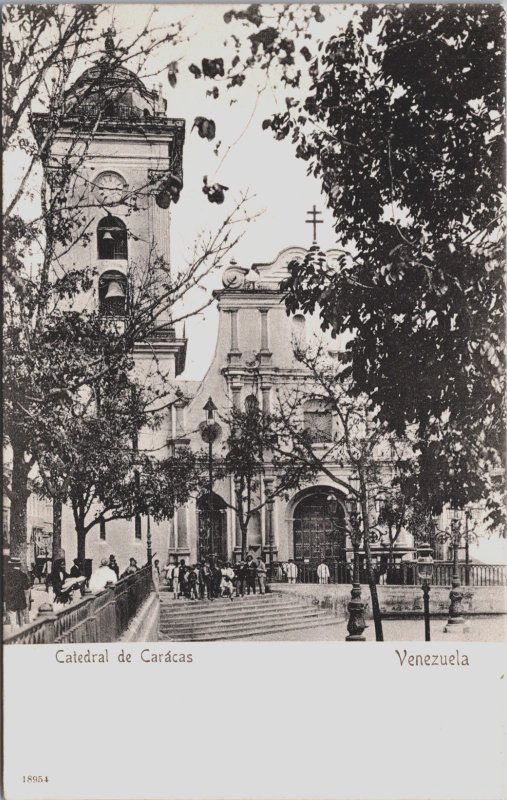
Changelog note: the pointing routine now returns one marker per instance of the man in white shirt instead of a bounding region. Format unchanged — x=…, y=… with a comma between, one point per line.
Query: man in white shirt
x=226, y=584
x=323, y=572
x=102, y=576
x=291, y=571
x=261, y=575
x=175, y=575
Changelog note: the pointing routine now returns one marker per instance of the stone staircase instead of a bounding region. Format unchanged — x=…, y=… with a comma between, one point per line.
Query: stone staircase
x=243, y=618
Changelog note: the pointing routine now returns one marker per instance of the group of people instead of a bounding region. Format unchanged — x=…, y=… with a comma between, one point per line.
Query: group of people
x=106, y=574
x=17, y=597
x=211, y=579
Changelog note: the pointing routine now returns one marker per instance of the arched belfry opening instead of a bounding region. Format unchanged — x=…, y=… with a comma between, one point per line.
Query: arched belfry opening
x=112, y=294
x=112, y=239
x=212, y=527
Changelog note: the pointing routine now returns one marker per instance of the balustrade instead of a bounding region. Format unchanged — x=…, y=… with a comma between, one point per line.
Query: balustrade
x=102, y=617
x=402, y=574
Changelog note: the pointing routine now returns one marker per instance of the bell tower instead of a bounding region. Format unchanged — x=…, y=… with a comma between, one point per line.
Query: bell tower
x=128, y=157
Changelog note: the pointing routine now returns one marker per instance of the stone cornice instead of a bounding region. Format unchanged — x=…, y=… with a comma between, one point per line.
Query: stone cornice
x=176, y=347
x=229, y=299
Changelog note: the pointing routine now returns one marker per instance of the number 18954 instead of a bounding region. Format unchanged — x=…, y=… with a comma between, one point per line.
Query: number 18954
x=35, y=779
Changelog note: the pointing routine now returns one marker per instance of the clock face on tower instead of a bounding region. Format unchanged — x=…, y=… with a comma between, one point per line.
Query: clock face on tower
x=109, y=187
x=234, y=277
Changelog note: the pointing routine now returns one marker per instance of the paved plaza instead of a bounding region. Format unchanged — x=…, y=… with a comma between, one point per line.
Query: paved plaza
x=481, y=629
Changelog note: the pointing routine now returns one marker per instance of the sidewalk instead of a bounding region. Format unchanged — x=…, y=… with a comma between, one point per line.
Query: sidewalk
x=482, y=629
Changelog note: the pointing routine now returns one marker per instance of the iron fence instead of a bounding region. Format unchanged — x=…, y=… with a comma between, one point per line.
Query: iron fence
x=402, y=574
x=102, y=617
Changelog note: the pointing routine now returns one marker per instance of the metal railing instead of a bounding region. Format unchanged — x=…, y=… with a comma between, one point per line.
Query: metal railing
x=403, y=574
x=101, y=617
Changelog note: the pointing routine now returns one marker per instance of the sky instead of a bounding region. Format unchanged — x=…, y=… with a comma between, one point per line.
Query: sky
x=255, y=163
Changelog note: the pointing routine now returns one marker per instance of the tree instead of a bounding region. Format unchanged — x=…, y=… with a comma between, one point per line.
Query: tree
x=360, y=442
x=46, y=217
x=417, y=196
x=90, y=459
x=258, y=455
x=401, y=116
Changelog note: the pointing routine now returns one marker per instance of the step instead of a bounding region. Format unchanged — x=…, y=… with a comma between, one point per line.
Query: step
x=251, y=600
x=241, y=616
x=231, y=624
x=249, y=633
x=204, y=619
x=230, y=608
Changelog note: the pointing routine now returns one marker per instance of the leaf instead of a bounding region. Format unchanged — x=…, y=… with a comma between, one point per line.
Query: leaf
x=213, y=67
x=194, y=69
x=319, y=17
x=265, y=37
x=172, y=72
x=205, y=127
x=215, y=193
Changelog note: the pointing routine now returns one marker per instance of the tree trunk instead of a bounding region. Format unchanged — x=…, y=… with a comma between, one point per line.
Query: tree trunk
x=20, y=495
x=375, y=606
x=391, y=553
x=244, y=540
x=57, y=529
x=81, y=544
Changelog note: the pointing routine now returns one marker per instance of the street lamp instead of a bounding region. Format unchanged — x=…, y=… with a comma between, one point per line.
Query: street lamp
x=425, y=572
x=453, y=535
x=210, y=431
x=356, y=623
x=469, y=536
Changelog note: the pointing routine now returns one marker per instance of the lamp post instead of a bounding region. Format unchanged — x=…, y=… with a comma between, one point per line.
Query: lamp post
x=268, y=489
x=425, y=572
x=210, y=431
x=355, y=607
x=469, y=536
x=453, y=535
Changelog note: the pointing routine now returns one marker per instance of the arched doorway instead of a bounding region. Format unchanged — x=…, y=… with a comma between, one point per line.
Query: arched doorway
x=318, y=534
x=216, y=545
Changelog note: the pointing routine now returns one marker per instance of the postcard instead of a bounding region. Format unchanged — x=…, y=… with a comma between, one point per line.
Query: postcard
x=254, y=541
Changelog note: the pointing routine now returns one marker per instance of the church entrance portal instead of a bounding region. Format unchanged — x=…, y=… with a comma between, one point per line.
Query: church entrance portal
x=216, y=547
x=317, y=534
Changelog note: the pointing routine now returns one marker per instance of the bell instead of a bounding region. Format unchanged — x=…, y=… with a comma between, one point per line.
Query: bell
x=107, y=235
x=114, y=289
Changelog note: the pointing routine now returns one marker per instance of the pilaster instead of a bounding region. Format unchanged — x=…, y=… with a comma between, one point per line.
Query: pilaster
x=264, y=353
x=234, y=355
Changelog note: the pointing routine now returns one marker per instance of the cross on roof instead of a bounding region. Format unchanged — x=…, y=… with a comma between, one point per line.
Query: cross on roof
x=314, y=221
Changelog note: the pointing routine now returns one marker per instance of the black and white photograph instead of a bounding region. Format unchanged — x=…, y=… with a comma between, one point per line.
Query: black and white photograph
x=253, y=327
x=225, y=405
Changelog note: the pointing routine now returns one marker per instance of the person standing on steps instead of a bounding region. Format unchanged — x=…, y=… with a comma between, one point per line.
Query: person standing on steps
x=207, y=575
x=227, y=585
x=192, y=582
x=261, y=575
x=181, y=577
x=217, y=578
x=251, y=574
x=291, y=571
x=240, y=579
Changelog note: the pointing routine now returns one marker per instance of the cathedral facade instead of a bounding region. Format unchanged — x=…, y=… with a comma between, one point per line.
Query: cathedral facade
x=131, y=172
x=254, y=361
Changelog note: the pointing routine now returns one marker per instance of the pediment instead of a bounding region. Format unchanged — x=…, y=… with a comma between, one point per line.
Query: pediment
x=273, y=273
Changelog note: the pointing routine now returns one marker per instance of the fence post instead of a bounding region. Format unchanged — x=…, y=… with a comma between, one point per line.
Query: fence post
x=46, y=612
